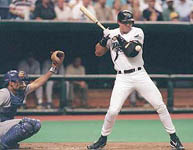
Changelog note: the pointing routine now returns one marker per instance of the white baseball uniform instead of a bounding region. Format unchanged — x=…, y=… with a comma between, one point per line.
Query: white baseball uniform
x=138, y=80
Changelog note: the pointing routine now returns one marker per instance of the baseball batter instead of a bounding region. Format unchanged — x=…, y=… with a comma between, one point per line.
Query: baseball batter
x=125, y=44
x=15, y=89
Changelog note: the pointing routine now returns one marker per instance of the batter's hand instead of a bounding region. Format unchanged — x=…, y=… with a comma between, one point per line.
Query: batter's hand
x=106, y=32
x=57, y=58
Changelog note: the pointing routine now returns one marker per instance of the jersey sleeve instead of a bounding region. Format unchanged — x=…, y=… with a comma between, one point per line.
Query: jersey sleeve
x=139, y=36
x=27, y=90
x=108, y=44
x=110, y=40
x=4, y=97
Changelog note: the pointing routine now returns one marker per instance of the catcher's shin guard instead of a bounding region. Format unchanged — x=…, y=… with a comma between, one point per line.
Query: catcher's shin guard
x=99, y=144
x=19, y=132
x=5, y=147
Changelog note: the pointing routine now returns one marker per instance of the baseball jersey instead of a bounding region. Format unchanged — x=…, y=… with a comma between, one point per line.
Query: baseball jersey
x=120, y=60
x=9, y=103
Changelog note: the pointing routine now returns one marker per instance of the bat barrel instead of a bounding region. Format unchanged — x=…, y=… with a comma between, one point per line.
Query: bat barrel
x=91, y=17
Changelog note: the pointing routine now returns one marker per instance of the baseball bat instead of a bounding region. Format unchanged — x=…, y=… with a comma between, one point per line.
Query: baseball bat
x=91, y=17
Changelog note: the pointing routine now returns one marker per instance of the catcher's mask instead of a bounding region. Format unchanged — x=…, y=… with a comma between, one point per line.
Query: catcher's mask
x=15, y=76
x=125, y=17
x=24, y=80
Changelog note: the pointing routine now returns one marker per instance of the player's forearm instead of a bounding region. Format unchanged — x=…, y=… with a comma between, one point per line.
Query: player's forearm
x=100, y=50
x=40, y=81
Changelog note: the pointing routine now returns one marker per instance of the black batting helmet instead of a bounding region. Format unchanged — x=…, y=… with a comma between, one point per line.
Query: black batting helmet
x=125, y=17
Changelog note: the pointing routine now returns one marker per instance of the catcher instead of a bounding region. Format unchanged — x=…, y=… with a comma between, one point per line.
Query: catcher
x=16, y=88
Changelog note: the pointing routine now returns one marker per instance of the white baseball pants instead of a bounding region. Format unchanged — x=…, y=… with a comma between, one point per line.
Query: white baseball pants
x=141, y=82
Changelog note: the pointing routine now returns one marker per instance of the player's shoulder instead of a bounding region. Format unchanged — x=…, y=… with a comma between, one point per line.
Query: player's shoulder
x=114, y=31
x=27, y=90
x=5, y=92
x=136, y=29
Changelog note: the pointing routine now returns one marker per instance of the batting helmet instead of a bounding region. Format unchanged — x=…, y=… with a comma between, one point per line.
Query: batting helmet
x=125, y=17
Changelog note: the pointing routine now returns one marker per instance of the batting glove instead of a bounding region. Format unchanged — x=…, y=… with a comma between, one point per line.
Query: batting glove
x=103, y=41
x=106, y=32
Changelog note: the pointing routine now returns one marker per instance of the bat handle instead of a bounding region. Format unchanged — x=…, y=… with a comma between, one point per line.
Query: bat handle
x=100, y=25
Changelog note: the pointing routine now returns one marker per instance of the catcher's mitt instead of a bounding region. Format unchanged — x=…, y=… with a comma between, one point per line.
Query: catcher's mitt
x=57, y=58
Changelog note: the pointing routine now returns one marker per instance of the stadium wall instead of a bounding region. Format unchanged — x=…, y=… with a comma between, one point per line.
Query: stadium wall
x=167, y=48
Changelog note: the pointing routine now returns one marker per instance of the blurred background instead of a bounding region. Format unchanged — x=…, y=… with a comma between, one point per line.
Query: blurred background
x=31, y=29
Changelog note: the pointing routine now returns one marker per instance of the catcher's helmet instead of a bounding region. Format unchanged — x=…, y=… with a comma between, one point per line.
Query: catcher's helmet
x=11, y=75
x=14, y=75
x=125, y=17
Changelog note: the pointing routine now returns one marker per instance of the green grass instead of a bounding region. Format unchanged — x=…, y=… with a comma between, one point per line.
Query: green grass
x=123, y=131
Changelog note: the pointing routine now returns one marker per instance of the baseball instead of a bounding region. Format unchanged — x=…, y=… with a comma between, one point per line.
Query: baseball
x=138, y=48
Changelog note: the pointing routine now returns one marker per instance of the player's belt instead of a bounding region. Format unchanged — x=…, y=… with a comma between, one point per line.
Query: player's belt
x=130, y=70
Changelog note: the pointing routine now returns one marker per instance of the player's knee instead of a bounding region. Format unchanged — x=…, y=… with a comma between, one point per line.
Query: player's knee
x=35, y=124
x=113, y=112
x=161, y=108
x=21, y=131
x=27, y=129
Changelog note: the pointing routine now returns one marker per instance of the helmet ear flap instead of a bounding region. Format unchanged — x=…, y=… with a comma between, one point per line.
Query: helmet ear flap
x=133, y=22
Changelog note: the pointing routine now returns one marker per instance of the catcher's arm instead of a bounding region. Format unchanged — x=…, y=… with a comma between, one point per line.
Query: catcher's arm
x=57, y=59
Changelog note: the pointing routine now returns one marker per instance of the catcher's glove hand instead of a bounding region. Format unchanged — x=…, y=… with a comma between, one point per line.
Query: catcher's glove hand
x=57, y=58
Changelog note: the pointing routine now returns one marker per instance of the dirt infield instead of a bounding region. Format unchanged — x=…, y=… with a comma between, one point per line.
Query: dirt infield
x=110, y=146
